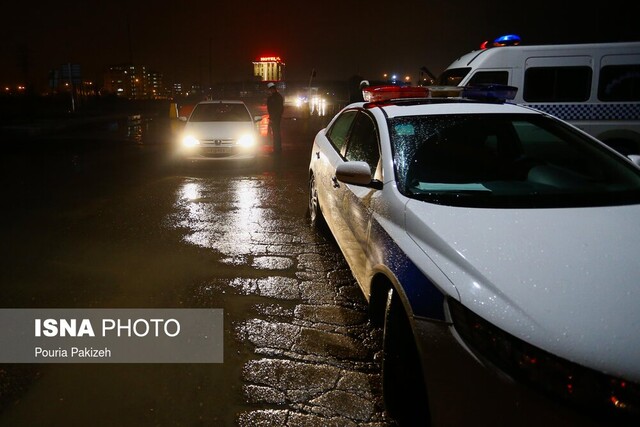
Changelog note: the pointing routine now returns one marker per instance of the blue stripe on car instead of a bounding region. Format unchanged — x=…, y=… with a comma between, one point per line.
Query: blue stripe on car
x=425, y=298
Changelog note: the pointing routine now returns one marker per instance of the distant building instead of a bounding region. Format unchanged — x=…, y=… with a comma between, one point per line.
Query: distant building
x=269, y=68
x=126, y=81
x=195, y=89
x=155, y=86
x=176, y=90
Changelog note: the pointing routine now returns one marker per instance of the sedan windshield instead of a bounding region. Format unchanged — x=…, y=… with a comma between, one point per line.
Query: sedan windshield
x=507, y=160
x=220, y=112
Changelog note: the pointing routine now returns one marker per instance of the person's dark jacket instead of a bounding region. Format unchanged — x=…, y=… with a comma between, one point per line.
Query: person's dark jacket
x=275, y=105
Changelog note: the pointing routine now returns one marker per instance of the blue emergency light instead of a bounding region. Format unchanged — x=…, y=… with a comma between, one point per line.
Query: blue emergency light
x=507, y=40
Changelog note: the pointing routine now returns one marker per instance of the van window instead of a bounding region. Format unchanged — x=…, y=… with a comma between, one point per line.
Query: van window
x=453, y=76
x=557, y=84
x=486, y=77
x=619, y=83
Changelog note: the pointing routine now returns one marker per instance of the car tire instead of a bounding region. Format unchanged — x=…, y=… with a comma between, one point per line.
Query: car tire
x=314, y=212
x=403, y=388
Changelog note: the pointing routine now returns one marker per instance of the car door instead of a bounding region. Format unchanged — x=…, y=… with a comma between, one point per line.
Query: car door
x=327, y=156
x=355, y=200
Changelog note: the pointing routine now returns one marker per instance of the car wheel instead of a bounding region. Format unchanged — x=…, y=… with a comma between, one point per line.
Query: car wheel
x=403, y=388
x=313, y=211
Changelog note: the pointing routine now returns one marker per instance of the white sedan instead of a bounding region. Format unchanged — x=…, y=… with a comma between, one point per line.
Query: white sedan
x=497, y=246
x=220, y=130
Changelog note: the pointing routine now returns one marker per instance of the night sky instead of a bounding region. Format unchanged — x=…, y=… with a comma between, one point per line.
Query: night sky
x=194, y=41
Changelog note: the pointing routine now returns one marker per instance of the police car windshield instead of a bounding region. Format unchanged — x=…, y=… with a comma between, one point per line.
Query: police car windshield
x=507, y=160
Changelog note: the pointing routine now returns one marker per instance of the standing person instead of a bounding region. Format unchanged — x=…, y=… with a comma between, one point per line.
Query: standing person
x=275, y=107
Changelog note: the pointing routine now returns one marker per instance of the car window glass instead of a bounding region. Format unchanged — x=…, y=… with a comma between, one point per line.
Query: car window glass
x=619, y=83
x=486, y=77
x=339, y=131
x=220, y=112
x=557, y=84
x=363, y=142
x=453, y=77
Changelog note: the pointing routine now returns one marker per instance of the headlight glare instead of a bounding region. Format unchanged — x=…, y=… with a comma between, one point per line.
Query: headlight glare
x=190, y=141
x=247, y=140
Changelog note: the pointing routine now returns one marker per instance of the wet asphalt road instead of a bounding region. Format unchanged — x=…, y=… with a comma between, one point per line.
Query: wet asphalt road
x=111, y=221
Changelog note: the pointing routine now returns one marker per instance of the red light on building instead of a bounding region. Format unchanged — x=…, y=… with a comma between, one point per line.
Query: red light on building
x=269, y=59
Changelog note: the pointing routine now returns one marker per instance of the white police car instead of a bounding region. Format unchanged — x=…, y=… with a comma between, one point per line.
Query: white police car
x=498, y=247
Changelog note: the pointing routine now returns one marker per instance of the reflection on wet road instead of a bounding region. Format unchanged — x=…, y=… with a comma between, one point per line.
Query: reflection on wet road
x=298, y=350
x=315, y=352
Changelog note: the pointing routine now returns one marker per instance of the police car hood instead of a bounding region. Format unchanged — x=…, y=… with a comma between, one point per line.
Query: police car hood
x=564, y=280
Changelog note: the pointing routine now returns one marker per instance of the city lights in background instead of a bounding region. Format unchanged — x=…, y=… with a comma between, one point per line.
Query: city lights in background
x=18, y=89
x=394, y=79
x=316, y=104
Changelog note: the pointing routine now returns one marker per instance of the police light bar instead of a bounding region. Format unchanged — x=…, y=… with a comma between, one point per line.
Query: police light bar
x=484, y=92
x=385, y=93
x=445, y=91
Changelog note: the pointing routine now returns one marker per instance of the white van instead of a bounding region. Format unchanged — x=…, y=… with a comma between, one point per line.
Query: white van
x=594, y=86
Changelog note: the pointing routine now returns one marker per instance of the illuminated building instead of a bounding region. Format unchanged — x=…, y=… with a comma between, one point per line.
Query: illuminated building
x=269, y=68
x=127, y=81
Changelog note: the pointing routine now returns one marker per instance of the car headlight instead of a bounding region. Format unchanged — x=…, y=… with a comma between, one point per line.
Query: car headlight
x=577, y=385
x=190, y=141
x=246, y=140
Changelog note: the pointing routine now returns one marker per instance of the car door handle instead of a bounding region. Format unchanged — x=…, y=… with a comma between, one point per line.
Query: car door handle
x=336, y=183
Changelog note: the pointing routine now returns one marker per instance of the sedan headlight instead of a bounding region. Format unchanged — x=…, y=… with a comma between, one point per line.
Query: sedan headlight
x=190, y=141
x=246, y=140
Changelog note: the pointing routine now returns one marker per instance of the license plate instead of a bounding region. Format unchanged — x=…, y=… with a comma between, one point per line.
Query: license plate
x=218, y=150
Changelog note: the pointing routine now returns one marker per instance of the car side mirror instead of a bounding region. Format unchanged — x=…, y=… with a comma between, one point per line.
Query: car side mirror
x=356, y=173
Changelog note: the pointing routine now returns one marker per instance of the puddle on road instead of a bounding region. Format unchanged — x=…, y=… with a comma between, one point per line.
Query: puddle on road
x=235, y=219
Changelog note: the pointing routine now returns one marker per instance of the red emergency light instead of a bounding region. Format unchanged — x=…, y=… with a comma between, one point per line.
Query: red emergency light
x=385, y=93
